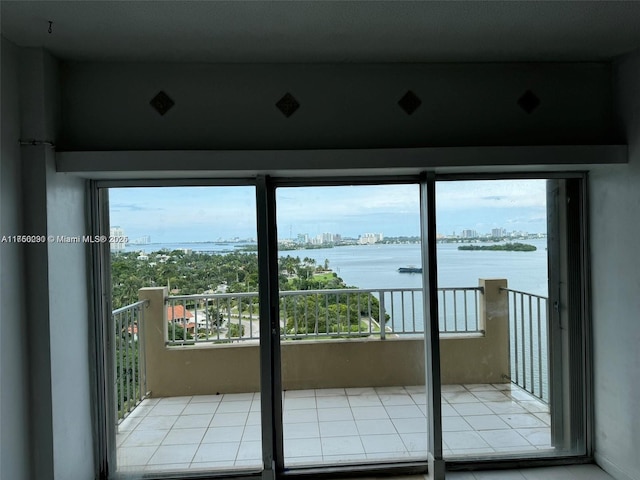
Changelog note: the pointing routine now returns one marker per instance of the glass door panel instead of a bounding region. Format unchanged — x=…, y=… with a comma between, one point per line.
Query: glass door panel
x=185, y=322
x=351, y=318
x=498, y=242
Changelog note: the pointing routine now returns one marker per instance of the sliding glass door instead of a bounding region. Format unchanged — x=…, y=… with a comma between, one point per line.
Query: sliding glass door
x=282, y=325
x=505, y=270
x=185, y=326
x=352, y=322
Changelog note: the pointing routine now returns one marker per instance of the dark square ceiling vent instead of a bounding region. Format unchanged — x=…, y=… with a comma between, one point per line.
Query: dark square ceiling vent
x=162, y=103
x=410, y=102
x=529, y=101
x=287, y=105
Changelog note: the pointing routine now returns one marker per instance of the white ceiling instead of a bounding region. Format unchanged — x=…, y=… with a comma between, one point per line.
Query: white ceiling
x=339, y=31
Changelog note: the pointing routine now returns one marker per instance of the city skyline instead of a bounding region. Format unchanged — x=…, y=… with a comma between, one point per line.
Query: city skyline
x=197, y=214
x=331, y=237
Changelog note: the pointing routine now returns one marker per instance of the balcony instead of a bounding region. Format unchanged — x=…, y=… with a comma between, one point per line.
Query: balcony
x=188, y=376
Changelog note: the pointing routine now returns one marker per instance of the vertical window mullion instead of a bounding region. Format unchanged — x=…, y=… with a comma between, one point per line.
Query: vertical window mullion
x=432, y=330
x=104, y=331
x=270, y=372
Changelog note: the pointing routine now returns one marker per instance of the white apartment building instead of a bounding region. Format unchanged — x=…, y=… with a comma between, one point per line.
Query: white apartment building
x=117, y=232
x=370, y=238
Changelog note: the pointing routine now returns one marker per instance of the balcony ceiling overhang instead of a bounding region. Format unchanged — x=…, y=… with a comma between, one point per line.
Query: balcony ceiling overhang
x=317, y=32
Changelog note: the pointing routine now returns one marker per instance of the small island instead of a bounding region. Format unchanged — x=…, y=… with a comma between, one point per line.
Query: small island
x=507, y=247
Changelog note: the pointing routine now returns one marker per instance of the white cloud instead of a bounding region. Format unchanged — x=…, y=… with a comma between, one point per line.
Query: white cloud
x=184, y=209
x=491, y=194
x=227, y=211
x=332, y=203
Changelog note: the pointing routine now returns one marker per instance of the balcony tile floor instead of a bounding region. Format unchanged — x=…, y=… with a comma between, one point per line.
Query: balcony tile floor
x=329, y=426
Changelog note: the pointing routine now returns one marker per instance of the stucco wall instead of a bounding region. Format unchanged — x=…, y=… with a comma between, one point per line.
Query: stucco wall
x=210, y=370
x=615, y=230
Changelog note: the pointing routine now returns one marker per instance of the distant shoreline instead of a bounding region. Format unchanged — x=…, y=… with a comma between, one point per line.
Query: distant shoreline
x=250, y=246
x=507, y=247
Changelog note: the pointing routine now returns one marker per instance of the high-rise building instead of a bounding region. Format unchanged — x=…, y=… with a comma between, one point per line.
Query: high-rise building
x=370, y=238
x=327, y=237
x=117, y=231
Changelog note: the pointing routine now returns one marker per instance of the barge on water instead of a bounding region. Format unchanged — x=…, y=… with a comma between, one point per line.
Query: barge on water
x=410, y=270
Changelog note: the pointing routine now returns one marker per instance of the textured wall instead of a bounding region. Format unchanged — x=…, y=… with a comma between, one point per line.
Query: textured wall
x=615, y=229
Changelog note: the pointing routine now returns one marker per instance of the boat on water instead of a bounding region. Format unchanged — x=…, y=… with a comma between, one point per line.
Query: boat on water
x=410, y=270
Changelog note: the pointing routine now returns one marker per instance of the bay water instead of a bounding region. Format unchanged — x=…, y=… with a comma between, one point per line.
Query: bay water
x=376, y=266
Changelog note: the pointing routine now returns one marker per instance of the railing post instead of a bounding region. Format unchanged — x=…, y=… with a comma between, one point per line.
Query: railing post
x=142, y=364
x=382, y=316
x=154, y=330
x=494, y=320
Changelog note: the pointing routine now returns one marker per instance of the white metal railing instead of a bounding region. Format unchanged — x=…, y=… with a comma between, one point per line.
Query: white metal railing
x=338, y=313
x=528, y=342
x=130, y=373
x=234, y=317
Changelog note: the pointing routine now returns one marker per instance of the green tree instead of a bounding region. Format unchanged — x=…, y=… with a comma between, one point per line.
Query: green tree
x=235, y=330
x=215, y=317
x=175, y=331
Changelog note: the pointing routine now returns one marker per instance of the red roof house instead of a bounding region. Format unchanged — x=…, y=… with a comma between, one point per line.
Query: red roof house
x=178, y=313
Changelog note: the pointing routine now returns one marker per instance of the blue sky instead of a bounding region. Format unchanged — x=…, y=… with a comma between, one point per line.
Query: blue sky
x=183, y=214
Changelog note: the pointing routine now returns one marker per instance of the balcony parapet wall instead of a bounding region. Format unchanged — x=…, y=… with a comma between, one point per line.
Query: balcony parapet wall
x=207, y=369
x=480, y=358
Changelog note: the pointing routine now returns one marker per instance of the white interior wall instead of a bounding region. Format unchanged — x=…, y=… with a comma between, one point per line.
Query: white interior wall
x=71, y=378
x=60, y=399
x=71, y=381
x=14, y=360
x=615, y=230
